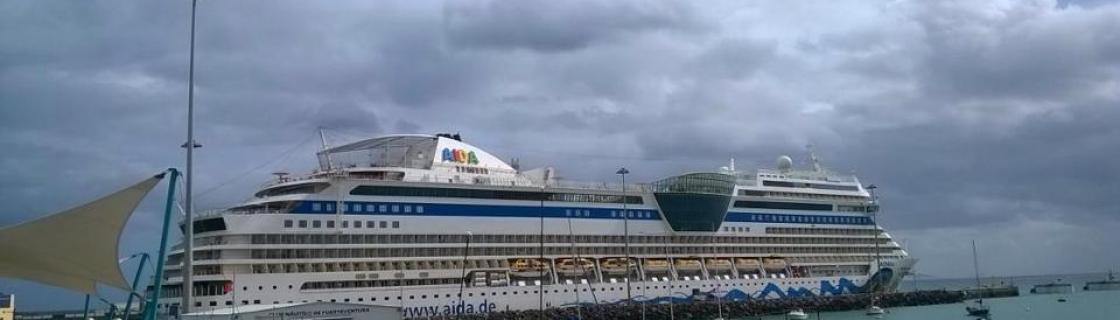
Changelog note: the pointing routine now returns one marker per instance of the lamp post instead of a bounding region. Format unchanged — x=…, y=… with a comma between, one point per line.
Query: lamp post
x=625, y=230
x=188, y=225
x=875, y=223
x=463, y=277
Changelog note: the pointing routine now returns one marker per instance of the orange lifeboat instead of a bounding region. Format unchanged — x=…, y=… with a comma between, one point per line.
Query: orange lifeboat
x=529, y=267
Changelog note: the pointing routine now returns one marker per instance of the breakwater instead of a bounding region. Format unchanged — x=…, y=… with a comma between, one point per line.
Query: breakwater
x=710, y=309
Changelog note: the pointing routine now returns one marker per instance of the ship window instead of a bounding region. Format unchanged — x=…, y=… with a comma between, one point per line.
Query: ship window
x=287, y=223
x=316, y=224
x=407, y=209
x=419, y=209
x=356, y=208
x=384, y=224
x=783, y=205
x=396, y=208
x=357, y=224
x=396, y=224
x=303, y=223
x=330, y=207
x=208, y=225
x=751, y=193
x=771, y=183
x=491, y=194
x=315, y=206
x=382, y=208
x=369, y=224
x=345, y=224
x=330, y=224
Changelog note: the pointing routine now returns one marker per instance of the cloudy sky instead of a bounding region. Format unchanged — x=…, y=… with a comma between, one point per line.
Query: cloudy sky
x=986, y=120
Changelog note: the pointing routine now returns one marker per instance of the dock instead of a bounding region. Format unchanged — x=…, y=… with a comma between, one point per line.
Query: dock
x=709, y=309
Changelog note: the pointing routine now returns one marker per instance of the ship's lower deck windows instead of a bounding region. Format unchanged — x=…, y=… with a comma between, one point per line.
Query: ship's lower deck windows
x=777, y=236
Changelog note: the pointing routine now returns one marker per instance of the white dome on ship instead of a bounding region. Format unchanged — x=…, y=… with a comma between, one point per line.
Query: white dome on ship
x=785, y=163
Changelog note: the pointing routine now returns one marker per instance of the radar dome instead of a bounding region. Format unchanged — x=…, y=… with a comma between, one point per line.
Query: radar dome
x=785, y=163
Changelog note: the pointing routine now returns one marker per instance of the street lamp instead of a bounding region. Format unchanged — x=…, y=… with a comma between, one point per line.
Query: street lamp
x=875, y=223
x=625, y=230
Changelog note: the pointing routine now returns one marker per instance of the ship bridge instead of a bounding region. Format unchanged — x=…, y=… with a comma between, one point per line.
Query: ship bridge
x=694, y=201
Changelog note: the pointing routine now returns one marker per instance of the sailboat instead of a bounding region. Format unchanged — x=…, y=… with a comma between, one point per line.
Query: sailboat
x=978, y=308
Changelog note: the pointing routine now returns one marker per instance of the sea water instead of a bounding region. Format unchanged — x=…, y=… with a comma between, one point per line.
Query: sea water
x=1089, y=305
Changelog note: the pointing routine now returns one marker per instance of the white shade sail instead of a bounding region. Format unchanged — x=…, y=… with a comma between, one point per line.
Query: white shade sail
x=74, y=249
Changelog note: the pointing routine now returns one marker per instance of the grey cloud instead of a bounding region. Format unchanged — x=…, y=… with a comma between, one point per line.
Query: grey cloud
x=1023, y=52
x=552, y=26
x=971, y=118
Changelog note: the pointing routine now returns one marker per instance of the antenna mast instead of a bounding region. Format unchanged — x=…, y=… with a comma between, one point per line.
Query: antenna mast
x=813, y=158
x=323, y=141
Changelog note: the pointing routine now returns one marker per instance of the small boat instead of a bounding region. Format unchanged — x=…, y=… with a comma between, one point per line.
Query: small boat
x=720, y=264
x=656, y=265
x=875, y=310
x=747, y=264
x=774, y=264
x=977, y=309
x=571, y=266
x=797, y=314
x=529, y=268
x=1105, y=285
x=687, y=264
x=616, y=265
x=1061, y=299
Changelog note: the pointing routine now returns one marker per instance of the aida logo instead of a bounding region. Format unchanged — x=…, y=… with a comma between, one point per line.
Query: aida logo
x=459, y=155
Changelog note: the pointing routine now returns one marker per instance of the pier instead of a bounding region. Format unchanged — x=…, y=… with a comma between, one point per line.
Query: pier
x=710, y=309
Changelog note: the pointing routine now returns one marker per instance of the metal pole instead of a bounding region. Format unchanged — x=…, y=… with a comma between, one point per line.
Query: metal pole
x=135, y=283
x=85, y=314
x=157, y=285
x=626, y=231
x=188, y=233
x=875, y=222
x=463, y=277
x=671, y=276
x=583, y=272
x=540, y=274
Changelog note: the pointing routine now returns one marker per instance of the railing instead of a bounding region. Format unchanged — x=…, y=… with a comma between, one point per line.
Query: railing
x=515, y=182
x=810, y=175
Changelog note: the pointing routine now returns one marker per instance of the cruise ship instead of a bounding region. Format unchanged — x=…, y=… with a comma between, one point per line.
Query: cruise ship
x=437, y=226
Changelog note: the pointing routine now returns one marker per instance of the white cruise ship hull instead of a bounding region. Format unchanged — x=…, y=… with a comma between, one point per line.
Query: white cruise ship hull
x=439, y=227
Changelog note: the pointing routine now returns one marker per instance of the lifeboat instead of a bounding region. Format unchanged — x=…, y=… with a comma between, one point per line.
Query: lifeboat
x=528, y=268
x=573, y=267
x=687, y=264
x=774, y=264
x=718, y=264
x=748, y=264
x=656, y=265
x=616, y=265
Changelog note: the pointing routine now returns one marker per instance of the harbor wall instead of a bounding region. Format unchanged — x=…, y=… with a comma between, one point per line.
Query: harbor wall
x=710, y=309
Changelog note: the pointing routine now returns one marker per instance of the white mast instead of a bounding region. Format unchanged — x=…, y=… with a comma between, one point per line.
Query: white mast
x=188, y=229
x=813, y=158
x=323, y=140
